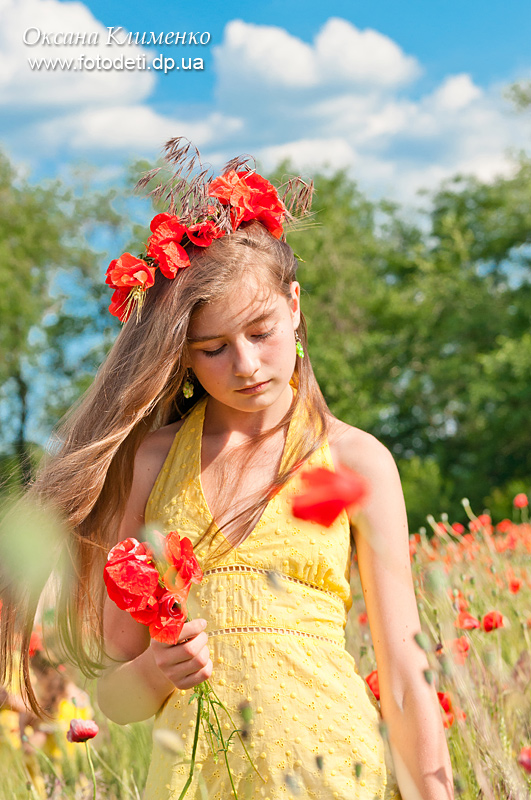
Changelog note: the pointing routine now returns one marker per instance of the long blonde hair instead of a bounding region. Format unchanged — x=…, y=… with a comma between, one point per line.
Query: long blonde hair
x=137, y=390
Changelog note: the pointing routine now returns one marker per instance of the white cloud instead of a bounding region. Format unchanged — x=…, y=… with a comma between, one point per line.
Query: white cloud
x=334, y=154
x=345, y=100
x=367, y=58
x=263, y=54
x=21, y=87
x=456, y=92
x=128, y=129
x=268, y=56
x=68, y=112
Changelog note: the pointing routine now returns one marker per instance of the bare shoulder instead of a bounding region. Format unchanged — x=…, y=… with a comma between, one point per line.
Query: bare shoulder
x=359, y=450
x=154, y=449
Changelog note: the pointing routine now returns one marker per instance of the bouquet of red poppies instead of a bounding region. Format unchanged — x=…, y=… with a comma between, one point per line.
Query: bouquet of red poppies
x=152, y=583
x=153, y=590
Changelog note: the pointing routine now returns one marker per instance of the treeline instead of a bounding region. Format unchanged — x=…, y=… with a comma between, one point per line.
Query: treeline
x=419, y=326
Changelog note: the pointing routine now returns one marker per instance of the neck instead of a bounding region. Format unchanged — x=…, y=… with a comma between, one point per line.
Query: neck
x=222, y=420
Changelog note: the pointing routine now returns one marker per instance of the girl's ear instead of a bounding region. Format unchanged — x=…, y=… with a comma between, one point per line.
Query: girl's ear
x=295, y=304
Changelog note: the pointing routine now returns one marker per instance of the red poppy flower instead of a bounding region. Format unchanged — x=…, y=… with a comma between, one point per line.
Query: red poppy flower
x=203, y=233
x=524, y=758
x=363, y=618
x=180, y=554
x=372, y=682
x=521, y=500
x=81, y=730
x=459, y=600
x=168, y=624
x=504, y=526
x=515, y=584
x=458, y=528
x=132, y=580
x=251, y=197
x=466, y=621
x=184, y=568
x=445, y=701
x=118, y=306
x=164, y=244
x=460, y=648
x=230, y=189
x=128, y=271
x=265, y=204
x=492, y=620
x=329, y=493
x=35, y=643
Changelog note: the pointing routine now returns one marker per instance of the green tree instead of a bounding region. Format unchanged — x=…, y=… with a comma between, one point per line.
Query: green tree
x=51, y=299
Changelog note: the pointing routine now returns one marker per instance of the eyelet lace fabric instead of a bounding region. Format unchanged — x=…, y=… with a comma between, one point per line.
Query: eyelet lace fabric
x=276, y=610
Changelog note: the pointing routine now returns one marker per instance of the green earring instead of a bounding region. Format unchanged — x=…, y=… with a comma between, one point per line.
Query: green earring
x=298, y=346
x=188, y=388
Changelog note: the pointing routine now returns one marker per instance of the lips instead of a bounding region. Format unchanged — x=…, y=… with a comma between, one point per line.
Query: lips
x=256, y=387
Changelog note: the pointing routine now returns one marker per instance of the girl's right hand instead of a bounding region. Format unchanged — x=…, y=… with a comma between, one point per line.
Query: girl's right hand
x=188, y=662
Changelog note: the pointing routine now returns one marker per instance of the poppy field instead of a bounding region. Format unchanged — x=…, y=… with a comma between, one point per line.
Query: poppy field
x=473, y=585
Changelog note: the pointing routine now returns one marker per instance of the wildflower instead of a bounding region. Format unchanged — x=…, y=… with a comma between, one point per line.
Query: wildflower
x=449, y=711
x=515, y=584
x=458, y=528
x=35, y=642
x=492, y=620
x=328, y=494
x=81, y=730
x=524, y=759
x=373, y=684
x=521, y=500
x=460, y=648
x=466, y=621
x=363, y=618
x=459, y=601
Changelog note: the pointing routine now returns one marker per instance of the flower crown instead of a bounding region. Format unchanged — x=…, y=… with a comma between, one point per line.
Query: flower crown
x=210, y=209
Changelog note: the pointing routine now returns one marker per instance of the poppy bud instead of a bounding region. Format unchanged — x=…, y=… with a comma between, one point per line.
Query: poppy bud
x=81, y=730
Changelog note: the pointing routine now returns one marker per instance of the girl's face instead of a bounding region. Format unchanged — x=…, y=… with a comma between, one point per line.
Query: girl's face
x=242, y=347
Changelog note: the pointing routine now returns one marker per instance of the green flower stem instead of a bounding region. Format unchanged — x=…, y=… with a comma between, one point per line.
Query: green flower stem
x=225, y=747
x=194, y=746
x=236, y=730
x=91, y=765
x=207, y=697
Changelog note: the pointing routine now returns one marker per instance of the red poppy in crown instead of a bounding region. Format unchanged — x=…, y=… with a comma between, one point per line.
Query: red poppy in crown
x=210, y=209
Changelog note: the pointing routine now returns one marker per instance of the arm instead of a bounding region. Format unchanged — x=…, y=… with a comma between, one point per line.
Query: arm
x=141, y=673
x=409, y=705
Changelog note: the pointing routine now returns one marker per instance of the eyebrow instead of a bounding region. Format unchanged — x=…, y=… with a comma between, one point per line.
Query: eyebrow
x=262, y=318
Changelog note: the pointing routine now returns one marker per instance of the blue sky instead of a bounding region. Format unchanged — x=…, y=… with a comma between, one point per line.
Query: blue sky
x=402, y=95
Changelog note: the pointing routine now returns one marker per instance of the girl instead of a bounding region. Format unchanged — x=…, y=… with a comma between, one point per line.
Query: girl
x=198, y=422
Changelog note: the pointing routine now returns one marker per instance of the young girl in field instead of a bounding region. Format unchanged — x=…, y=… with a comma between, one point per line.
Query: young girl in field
x=199, y=421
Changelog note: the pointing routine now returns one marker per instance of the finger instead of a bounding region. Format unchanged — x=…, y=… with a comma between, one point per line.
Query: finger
x=192, y=628
x=189, y=649
x=194, y=664
x=197, y=677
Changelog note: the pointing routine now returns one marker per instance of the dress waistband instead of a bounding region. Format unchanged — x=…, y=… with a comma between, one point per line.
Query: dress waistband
x=273, y=576
x=242, y=599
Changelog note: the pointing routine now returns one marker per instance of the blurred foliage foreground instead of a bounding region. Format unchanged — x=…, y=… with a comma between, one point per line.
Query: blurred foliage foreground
x=474, y=593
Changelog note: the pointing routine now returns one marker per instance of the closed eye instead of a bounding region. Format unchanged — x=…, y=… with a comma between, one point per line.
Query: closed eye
x=264, y=335
x=211, y=353
x=260, y=336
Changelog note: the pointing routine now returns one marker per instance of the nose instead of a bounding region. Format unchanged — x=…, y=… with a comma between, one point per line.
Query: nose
x=246, y=362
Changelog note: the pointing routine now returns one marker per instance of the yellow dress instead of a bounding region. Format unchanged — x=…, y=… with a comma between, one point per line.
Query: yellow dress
x=277, y=645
